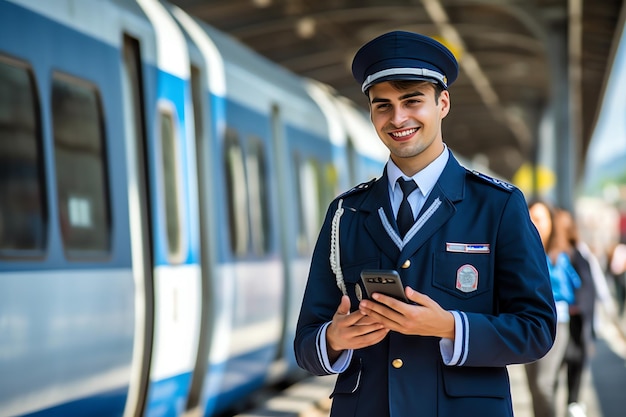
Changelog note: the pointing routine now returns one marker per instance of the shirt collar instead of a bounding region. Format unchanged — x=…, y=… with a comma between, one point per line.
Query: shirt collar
x=426, y=178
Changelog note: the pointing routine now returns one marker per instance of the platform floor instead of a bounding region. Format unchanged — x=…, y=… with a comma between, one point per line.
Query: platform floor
x=603, y=392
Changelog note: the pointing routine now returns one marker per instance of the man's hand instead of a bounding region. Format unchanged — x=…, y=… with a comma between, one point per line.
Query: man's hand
x=351, y=330
x=427, y=318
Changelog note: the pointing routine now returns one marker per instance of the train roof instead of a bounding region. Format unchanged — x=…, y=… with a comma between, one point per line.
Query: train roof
x=246, y=74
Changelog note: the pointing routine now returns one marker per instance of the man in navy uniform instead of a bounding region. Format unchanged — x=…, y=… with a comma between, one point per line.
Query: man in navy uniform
x=470, y=259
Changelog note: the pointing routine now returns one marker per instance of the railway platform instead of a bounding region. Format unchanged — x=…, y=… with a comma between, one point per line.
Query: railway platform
x=602, y=393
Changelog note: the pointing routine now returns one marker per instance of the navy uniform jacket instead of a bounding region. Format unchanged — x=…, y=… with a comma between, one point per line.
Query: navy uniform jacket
x=510, y=312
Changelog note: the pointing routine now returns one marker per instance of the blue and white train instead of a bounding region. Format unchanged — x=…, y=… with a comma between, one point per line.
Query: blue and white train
x=161, y=189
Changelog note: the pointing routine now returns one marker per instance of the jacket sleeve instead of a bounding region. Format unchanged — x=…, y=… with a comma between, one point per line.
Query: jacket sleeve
x=523, y=327
x=321, y=300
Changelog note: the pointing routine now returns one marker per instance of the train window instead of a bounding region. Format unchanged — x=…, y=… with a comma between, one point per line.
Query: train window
x=171, y=183
x=80, y=160
x=23, y=210
x=257, y=178
x=309, y=191
x=237, y=196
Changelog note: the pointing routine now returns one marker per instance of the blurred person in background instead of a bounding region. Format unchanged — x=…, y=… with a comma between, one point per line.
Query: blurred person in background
x=582, y=313
x=616, y=266
x=543, y=374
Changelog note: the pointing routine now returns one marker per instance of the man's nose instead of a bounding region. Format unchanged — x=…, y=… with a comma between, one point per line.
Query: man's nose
x=399, y=116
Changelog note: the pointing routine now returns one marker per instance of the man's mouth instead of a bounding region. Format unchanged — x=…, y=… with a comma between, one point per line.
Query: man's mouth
x=401, y=134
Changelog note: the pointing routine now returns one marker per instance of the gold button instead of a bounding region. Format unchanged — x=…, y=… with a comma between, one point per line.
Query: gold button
x=406, y=264
x=397, y=363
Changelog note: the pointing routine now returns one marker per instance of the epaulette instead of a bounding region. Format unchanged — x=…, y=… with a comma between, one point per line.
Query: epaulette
x=358, y=188
x=494, y=181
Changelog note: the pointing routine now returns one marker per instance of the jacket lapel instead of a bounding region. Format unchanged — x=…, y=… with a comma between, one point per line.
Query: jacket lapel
x=380, y=218
x=438, y=209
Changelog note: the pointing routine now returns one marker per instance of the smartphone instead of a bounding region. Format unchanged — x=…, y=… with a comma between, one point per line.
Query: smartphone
x=383, y=281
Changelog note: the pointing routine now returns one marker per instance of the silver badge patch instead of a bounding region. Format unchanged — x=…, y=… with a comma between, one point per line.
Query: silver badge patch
x=359, y=292
x=467, y=278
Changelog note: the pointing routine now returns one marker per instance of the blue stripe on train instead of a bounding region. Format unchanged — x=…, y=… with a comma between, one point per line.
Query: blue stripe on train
x=242, y=376
x=168, y=397
x=108, y=404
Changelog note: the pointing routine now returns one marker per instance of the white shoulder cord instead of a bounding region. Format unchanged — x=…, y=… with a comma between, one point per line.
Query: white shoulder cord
x=335, y=261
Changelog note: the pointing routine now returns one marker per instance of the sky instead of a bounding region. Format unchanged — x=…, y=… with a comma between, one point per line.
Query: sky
x=609, y=138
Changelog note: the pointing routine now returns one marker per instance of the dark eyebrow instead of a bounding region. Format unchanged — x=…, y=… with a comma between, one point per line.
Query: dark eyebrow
x=413, y=94
x=403, y=97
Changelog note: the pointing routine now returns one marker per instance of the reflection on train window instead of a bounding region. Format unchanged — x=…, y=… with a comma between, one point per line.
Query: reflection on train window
x=308, y=174
x=81, y=174
x=23, y=210
x=171, y=183
x=256, y=165
x=237, y=196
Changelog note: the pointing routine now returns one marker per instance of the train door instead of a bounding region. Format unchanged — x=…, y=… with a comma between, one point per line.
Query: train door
x=208, y=89
x=287, y=242
x=142, y=245
x=174, y=217
x=194, y=401
x=174, y=278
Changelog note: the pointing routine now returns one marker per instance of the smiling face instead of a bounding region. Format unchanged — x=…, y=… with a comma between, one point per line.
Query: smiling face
x=408, y=121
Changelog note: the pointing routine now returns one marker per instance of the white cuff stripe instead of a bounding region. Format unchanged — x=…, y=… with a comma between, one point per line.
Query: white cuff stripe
x=464, y=338
x=322, y=356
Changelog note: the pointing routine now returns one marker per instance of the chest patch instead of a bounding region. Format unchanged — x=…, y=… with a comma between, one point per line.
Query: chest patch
x=467, y=278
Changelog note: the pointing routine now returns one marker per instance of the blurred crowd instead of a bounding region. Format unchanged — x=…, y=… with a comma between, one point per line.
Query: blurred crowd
x=589, y=288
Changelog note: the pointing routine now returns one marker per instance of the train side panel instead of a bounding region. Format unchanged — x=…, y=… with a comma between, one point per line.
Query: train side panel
x=67, y=299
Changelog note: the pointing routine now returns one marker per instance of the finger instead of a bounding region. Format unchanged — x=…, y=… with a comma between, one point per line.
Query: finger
x=418, y=297
x=344, y=306
x=362, y=330
x=370, y=338
x=382, y=313
x=371, y=307
x=343, y=315
x=390, y=302
x=384, y=305
x=365, y=320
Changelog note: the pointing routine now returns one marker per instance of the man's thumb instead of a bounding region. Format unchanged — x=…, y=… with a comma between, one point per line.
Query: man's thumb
x=344, y=307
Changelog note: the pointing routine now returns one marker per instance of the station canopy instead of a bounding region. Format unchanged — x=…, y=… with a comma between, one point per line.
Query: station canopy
x=513, y=55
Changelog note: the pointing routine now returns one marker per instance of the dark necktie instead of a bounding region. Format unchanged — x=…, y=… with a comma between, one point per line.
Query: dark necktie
x=405, y=215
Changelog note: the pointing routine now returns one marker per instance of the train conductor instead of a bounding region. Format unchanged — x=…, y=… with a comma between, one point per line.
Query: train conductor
x=471, y=262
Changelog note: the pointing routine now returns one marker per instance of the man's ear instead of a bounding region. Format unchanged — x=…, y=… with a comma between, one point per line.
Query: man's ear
x=444, y=102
